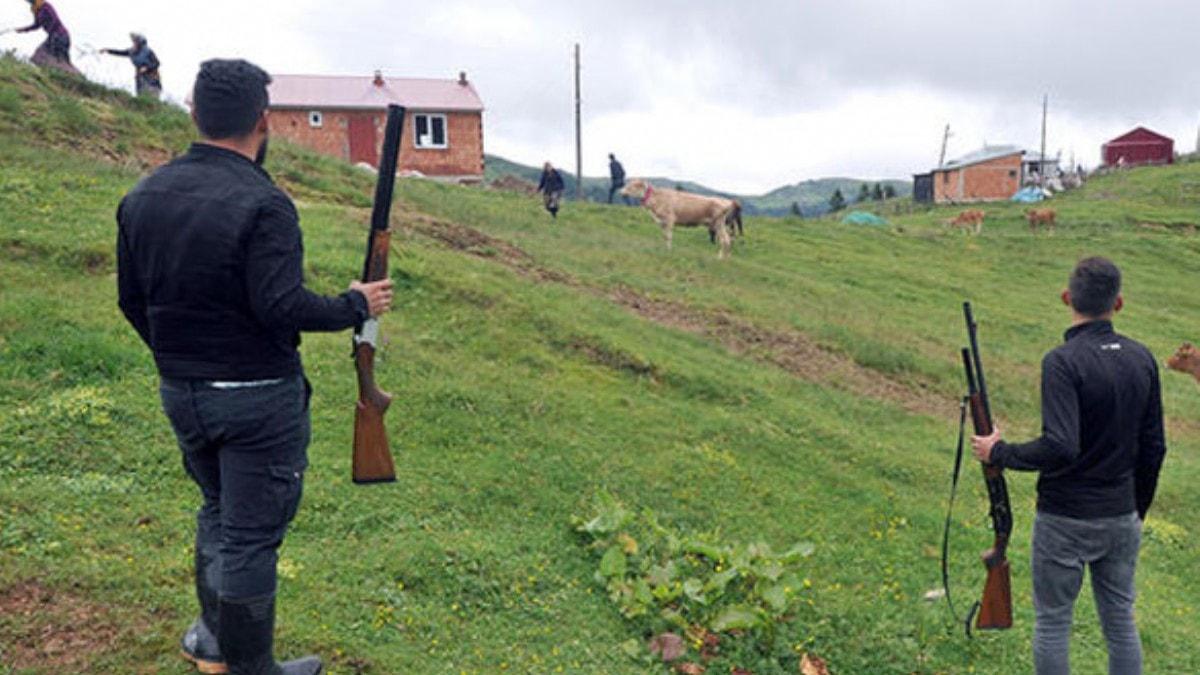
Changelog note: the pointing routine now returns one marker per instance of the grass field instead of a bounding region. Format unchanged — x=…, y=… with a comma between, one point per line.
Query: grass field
x=805, y=390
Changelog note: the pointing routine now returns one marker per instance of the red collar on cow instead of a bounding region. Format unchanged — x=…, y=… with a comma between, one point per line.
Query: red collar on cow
x=649, y=191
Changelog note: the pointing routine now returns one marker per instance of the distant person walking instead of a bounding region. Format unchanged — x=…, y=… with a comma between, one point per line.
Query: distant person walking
x=145, y=64
x=1098, y=459
x=551, y=186
x=616, y=174
x=55, y=52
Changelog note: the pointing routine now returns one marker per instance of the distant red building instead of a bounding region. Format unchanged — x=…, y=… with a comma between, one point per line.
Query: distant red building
x=344, y=117
x=1140, y=146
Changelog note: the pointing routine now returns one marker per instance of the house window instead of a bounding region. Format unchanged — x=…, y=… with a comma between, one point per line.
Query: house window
x=316, y=119
x=946, y=177
x=431, y=131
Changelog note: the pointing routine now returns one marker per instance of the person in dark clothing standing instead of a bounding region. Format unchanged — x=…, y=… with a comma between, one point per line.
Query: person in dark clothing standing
x=1099, y=457
x=551, y=186
x=209, y=261
x=145, y=63
x=616, y=175
x=55, y=52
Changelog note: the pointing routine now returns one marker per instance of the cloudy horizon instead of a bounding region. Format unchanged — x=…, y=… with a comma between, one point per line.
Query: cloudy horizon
x=741, y=100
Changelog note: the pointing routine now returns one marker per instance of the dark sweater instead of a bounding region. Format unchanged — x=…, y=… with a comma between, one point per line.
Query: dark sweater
x=551, y=181
x=209, y=267
x=1102, y=442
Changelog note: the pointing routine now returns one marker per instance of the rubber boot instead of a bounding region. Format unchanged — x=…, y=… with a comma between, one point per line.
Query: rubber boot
x=246, y=636
x=199, y=643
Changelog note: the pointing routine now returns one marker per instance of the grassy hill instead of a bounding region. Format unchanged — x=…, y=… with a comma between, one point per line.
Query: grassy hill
x=812, y=196
x=804, y=390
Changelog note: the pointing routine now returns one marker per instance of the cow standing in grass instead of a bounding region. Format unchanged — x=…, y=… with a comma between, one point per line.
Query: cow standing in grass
x=672, y=207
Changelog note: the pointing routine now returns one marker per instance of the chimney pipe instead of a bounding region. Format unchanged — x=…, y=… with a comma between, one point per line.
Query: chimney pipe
x=462, y=77
x=378, y=78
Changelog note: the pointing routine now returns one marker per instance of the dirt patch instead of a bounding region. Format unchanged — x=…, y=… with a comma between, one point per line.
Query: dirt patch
x=470, y=240
x=791, y=351
x=52, y=630
x=614, y=359
x=510, y=183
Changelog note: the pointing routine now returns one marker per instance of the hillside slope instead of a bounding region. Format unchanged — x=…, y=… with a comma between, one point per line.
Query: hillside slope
x=804, y=390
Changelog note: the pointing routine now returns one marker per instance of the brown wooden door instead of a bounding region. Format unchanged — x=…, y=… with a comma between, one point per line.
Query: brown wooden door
x=363, y=147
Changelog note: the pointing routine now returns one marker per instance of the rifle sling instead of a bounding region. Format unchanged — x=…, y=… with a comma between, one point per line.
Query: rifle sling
x=958, y=457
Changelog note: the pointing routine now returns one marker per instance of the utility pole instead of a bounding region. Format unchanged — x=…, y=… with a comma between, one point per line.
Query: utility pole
x=1042, y=158
x=945, y=141
x=578, y=132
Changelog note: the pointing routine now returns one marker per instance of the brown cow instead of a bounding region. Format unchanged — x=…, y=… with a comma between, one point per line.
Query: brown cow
x=672, y=207
x=969, y=220
x=1186, y=360
x=1041, y=217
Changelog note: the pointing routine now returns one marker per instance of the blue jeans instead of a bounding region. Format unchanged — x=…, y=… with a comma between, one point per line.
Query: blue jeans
x=1108, y=547
x=247, y=450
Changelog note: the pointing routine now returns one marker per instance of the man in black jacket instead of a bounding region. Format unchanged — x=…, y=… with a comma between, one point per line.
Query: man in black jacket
x=616, y=175
x=1099, y=457
x=210, y=263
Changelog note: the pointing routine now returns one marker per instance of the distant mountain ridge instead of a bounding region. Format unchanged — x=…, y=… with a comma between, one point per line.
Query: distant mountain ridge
x=812, y=196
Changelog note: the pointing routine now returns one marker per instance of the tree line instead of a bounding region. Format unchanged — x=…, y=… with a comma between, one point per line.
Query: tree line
x=878, y=193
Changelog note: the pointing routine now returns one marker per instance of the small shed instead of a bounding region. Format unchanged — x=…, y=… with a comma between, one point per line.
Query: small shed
x=1140, y=146
x=344, y=117
x=923, y=188
x=992, y=173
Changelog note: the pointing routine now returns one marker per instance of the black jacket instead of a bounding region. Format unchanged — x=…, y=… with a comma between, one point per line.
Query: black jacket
x=1102, y=442
x=552, y=181
x=209, y=271
x=616, y=172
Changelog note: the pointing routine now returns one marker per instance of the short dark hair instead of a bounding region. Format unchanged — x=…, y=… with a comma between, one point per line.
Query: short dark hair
x=229, y=97
x=1095, y=284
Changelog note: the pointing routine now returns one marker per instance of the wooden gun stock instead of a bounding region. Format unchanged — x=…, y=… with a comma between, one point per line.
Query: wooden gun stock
x=372, y=458
x=995, y=609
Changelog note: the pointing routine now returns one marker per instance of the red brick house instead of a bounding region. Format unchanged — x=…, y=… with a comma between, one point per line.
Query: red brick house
x=1140, y=146
x=344, y=117
x=991, y=174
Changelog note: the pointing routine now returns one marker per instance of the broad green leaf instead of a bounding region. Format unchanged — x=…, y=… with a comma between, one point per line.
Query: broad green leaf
x=641, y=592
x=771, y=570
x=694, y=589
x=738, y=617
x=633, y=649
x=702, y=548
x=613, y=563
x=801, y=550
x=661, y=575
x=776, y=597
x=720, y=580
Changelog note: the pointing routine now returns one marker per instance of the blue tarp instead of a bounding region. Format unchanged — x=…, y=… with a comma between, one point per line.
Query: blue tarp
x=1029, y=195
x=863, y=218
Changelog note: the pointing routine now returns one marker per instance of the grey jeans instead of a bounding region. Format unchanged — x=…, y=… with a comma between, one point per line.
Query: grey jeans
x=246, y=449
x=1108, y=547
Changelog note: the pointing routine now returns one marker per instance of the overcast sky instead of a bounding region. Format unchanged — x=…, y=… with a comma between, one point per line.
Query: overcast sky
x=743, y=96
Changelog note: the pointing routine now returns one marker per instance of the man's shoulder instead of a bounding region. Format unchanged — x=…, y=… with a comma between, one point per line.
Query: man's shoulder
x=1136, y=347
x=190, y=172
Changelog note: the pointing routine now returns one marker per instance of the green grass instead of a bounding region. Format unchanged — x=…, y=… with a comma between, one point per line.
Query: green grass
x=518, y=399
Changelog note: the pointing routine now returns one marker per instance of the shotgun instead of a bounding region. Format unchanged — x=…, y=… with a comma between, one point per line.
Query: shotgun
x=372, y=459
x=995, y=609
